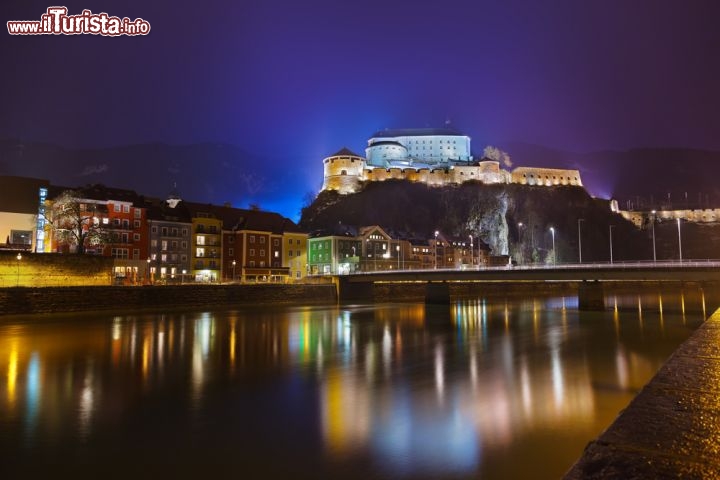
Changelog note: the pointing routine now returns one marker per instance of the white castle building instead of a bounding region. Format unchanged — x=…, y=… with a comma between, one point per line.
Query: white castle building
x=436, y=157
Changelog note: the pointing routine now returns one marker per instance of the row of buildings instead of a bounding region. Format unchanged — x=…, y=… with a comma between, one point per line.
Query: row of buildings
x=173, y=241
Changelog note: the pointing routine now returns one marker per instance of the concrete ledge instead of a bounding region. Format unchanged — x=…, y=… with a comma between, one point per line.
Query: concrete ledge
x=69, y=299
x=672, y=428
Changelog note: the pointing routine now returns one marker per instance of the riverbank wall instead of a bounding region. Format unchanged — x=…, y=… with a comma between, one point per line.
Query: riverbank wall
x=672, y=428
x=89, y=298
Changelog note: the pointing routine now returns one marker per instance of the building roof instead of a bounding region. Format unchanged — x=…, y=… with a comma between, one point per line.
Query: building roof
x=160, y=210
x=345, y=152
x=415, y=132
x=100, y=193
x=20, y=194
x=387, y=142
x=243, y=219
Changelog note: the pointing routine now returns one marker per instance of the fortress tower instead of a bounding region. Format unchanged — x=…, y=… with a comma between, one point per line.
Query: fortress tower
x=343, y=171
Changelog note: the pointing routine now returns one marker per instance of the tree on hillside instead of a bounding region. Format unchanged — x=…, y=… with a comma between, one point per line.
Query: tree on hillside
x=494, y=153
x=75, y=223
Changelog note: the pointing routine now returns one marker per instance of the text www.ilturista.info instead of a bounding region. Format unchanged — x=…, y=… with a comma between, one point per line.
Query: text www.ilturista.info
x=56, y=21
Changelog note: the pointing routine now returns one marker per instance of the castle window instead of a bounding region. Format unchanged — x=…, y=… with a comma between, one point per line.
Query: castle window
x=343, y=172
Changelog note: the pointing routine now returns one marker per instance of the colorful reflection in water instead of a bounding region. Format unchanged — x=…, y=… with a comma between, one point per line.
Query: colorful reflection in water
x=496, y=388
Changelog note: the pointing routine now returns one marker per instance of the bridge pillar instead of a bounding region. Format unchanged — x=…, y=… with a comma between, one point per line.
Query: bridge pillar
x=437, y=293
x=591, y=295
x=354, y=292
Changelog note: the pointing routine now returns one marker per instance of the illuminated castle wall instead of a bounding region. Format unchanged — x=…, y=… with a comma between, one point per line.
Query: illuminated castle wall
x=436, y=157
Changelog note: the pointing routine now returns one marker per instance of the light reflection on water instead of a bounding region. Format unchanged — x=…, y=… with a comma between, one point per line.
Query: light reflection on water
x=495, y=388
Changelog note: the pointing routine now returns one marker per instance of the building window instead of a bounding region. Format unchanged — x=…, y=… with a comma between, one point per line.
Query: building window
x=262, y=239
x=200, y=252
x=174, y=232
x=153, y=229
x=183, y=245
x=184, y=232
x=136, y=237
x=200, y=240
x=252, y=238
x=174, y=244
x=252, y=252
x=183, y=258
x=116, y=207
x=153, y=243
x=231, y=239
x=252, y=263
x=136, y=224
x=126, y=208
x=231, y=251
x=138, y=213
x=136, y=254
x=289, y=253
x=277, y=254
x=163, y=257
x=276, y=242
x=126, y=224
x=164, y=245
x=262, y=263
x=262, y=253
x=298, y=253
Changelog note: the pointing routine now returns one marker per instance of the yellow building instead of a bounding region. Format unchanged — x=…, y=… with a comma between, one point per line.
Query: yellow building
x=206, y=244
x=295, y=254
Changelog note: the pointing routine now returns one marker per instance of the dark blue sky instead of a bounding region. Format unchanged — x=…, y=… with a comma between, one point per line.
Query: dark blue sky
x=294, y=81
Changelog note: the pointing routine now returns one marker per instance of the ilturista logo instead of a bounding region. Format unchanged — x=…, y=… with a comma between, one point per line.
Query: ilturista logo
x=56, y=21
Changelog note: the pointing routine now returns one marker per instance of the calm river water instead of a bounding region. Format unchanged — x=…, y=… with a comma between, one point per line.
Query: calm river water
x=487, y=388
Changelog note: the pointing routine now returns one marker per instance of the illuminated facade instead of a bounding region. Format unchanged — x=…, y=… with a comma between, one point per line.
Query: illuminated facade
x=436, y=157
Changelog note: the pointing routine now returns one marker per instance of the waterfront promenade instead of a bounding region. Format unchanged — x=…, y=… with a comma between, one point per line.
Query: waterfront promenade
x=672, y=428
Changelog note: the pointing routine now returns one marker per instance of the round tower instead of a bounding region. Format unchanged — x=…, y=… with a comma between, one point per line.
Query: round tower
x=343, y=171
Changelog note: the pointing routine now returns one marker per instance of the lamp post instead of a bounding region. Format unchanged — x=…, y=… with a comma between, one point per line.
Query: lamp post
x=580, y=220
x=679, y=240
x=472, y=259
x=436, y=248
x=397, y=249
x=19, y=257
x=552, y=231
x=653, y=235
x=183, y=276
x=148, y=271
x=233, y=264
x=611, y=252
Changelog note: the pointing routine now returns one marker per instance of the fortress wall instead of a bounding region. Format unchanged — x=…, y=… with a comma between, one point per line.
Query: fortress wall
x=343, y=184
x=696, y=216
x=545, y=176
x=396, y=173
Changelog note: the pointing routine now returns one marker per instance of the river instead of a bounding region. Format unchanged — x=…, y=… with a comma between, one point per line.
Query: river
x=490, y=388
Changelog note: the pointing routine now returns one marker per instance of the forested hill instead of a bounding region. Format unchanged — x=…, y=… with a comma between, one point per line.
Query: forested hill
x=494, y=213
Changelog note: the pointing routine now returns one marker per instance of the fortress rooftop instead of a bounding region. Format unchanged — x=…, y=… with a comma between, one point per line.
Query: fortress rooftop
x=415, y=132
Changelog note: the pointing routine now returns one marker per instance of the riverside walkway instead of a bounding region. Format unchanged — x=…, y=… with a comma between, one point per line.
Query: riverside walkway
x=672, y=428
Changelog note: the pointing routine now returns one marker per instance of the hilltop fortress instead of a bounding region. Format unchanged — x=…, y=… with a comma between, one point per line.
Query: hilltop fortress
x=433, y=156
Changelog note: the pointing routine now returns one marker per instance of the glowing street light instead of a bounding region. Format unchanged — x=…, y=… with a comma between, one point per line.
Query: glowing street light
x=397, y=248
x=148, y=271
x=679, y=240
x=653, y=235
x=580, y=220
x=552, y=231
x=472, y=260
x=19, y=257
x=436, y=248
x=233, y=264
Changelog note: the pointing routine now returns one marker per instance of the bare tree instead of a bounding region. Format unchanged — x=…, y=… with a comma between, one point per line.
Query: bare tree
x=494, y=153
x=77, y=223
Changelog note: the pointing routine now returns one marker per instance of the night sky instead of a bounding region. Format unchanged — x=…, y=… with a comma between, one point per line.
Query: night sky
x=293, y=81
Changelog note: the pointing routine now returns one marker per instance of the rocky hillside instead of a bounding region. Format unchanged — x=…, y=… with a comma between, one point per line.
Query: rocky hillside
x=512, y=219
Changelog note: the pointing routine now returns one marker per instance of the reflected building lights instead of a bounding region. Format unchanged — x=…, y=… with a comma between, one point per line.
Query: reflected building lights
x=439, y=371
x=621, y=365
x=32, y=394
x=12, y=375
x=386, y=350
x=702, y=296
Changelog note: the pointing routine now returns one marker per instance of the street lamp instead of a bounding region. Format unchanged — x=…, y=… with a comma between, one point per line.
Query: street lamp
x=436, y=248
x=552, y=231
x=397, y=248
x=580, y=239
x=472, y=260
x=611, y=253
x=148, y=271
x=679, y=240
x=653, y=235
x=19, y=257
x=183, y=276
x=233, y=264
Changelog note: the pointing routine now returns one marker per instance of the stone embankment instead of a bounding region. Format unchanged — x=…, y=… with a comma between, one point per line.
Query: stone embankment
x=88, y=298
x=672, y=428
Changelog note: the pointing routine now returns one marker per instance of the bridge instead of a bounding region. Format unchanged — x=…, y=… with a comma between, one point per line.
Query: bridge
x=588, y=276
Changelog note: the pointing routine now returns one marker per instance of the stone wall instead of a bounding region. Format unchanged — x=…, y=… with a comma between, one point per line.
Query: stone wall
x=68, y=299
x=53, y=269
